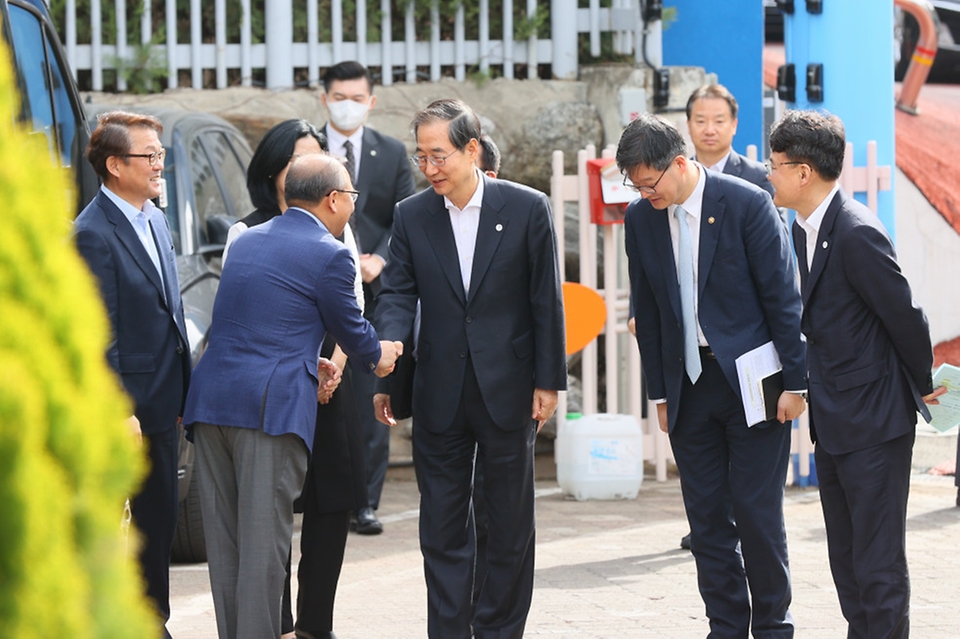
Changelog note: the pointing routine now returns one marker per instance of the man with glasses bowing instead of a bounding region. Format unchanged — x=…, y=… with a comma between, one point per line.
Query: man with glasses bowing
x=481, y=256
x=126, y=243
x=712, y=278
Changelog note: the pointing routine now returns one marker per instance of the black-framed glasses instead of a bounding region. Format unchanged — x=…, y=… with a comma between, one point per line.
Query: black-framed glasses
x=772, y=166
x=436, y=160
x=152, y=158
x=646, y=190
x=353, y=194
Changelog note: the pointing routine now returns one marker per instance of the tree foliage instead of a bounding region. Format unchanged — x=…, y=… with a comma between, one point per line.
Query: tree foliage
x=67, y=460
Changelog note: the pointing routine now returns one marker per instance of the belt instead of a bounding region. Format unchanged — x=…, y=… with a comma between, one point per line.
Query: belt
x=706, y=353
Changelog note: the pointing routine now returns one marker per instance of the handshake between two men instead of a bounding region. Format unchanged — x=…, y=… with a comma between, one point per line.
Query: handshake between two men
x=330, y=372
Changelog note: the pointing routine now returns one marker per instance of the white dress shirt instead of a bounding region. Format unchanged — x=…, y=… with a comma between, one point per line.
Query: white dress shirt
x=811, y=225
x=693, y=205
x=466, y=223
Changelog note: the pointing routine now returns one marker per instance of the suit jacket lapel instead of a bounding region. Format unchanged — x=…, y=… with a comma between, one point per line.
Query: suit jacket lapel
x=439, y=233
x=733, y=167
x=168, y=262
x=711, y=221
x=131, y=241
x=800, y=247
x=824, y=244
x=492, y=227
x=660, y=228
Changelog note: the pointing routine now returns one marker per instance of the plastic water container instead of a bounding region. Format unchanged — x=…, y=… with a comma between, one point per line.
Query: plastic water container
x=600, y=457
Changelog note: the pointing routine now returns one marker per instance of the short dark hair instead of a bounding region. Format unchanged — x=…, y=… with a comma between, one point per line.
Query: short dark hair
x=708, y=91
x=312, y=179
x=272, y=156
x=649, y=141
x=346, y=70
x=464, y=123
x=112, y=137
x=489, y=159
x=815, y=138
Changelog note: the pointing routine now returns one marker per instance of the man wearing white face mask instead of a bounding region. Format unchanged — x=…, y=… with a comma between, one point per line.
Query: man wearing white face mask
x=380, y=171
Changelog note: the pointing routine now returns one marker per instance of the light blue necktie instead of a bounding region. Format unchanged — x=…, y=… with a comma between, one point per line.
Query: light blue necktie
x=691, y=347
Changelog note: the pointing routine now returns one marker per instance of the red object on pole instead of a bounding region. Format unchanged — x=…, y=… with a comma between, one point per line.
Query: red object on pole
x=923, y=53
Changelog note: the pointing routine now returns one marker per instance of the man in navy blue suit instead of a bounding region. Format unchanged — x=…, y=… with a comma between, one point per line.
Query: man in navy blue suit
x=126, y=243
x=712, y=278
x=712, y=123
x=868, y=359
x=481, y=257
x=253, y=402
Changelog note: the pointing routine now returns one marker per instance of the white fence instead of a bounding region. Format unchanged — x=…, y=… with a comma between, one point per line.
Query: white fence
x=279, y=55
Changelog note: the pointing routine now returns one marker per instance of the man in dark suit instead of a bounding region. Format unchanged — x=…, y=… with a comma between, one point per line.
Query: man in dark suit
x=481, y=256
x=252, y=405
x=868, y=359
x=378, y=165
x=712, y=278
x=126, y=243
x=712, y=123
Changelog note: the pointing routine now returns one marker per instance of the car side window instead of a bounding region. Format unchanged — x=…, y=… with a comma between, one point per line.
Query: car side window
x=66, y=119
x=31, y=62
x=206, y=190
x=232, y=171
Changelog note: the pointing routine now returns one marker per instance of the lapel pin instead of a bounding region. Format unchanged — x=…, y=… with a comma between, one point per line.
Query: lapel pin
x=373, y=152
x=711, y=220
x=824, y=244
x=499, y=227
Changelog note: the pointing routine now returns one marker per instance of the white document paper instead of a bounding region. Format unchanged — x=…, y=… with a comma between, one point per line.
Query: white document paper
x=752, y=367
x=946, y=414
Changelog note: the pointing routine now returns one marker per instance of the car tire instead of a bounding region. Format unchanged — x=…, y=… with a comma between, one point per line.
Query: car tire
x=188, y=543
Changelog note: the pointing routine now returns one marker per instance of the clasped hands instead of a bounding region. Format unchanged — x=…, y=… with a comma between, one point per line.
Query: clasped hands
x=330, y=372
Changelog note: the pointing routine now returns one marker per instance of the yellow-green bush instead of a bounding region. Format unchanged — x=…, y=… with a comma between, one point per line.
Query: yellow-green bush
x=67, y=459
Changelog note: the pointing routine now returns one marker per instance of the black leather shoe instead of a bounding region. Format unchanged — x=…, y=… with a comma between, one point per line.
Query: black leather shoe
x=685, y=542
x=367, y=522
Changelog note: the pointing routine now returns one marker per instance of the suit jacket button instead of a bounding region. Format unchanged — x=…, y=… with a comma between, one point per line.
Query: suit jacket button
x=463, y=355
x=469, y=319
x=179, y=349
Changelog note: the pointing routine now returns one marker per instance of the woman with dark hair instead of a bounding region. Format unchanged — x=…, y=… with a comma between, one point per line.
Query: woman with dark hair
x=336, y=482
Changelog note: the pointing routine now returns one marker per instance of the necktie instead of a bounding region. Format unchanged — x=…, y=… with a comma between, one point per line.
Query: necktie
x=349, y=160
x=691, y=348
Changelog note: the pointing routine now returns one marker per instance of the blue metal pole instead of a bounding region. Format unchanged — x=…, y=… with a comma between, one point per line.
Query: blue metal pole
x=725, y=38
x=853, y=40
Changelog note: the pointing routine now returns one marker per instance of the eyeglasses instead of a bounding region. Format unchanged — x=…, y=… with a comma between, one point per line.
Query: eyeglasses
x=152, y=158
x=772, y=166
x=646, y=190
x=436, y=160
x=353, y=194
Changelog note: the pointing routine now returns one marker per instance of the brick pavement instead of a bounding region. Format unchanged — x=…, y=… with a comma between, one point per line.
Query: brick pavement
x=614, y=569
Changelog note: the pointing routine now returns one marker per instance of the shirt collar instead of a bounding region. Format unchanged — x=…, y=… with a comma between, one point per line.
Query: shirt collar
x=129, y=210
x=813, y=222
x=694, y=201
x=475, y=200
x=721, y=164
x=335, y=139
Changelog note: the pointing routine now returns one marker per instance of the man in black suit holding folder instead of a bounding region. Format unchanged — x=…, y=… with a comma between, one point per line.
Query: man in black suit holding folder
x=712, y=278
x=869, y=358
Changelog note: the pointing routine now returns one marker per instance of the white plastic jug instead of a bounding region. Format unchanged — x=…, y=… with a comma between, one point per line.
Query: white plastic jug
x=600, y=457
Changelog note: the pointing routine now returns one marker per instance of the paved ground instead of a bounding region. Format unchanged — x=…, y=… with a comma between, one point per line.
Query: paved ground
x=614, y=569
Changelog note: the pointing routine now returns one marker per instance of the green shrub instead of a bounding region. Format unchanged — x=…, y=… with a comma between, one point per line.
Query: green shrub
x=67, y=460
